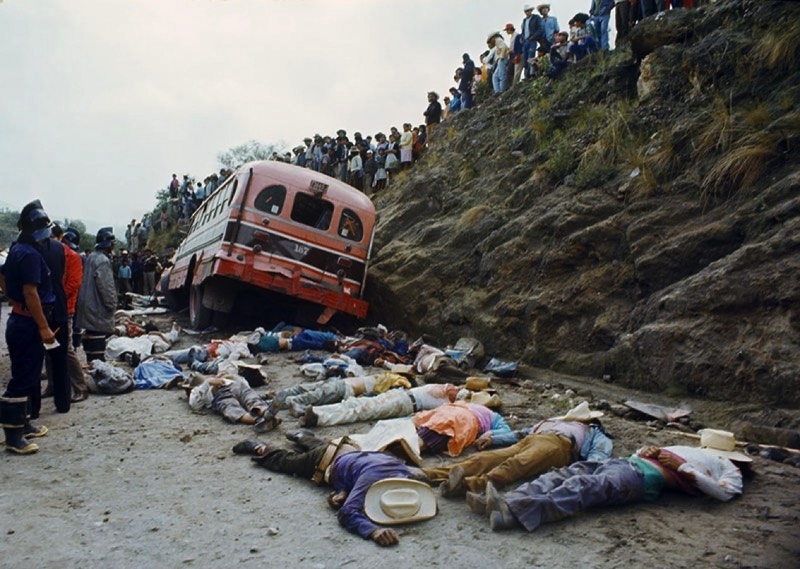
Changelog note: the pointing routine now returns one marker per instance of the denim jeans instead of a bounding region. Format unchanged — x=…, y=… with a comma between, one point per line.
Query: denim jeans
x=565, y=492
x=528, y=52
x=601, y=23
x=500, y=75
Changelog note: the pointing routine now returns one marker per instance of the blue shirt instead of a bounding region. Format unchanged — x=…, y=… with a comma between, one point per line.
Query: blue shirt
x=355, y=472
x=550, y=25
x=26, y=265
x=596, y=445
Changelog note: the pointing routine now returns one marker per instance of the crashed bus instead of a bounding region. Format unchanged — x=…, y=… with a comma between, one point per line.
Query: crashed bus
x=295, y=236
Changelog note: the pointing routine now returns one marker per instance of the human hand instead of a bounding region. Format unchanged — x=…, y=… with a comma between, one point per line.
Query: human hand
x=483, y=441
x=337, y=499
x=47, y=335
x=384, y=537
x=650, y=452
x=669, y=460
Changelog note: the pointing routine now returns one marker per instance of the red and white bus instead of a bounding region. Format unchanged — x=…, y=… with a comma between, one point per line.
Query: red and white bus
x=279, y=228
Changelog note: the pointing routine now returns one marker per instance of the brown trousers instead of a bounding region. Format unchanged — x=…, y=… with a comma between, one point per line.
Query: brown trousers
x=533, y=455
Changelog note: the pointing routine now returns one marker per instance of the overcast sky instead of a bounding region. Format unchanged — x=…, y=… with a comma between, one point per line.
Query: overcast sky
x=102, y=100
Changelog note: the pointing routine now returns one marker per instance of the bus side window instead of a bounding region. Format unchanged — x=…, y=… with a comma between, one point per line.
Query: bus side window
x=271, y=199
x=312, y=211
x=350, y=226
x=226, y=195
x=204, y=214
x=232, y=189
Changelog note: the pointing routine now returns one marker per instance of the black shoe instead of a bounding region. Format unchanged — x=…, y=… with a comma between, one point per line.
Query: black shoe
x=250, y=446
x=305, y=438
x=298, y=435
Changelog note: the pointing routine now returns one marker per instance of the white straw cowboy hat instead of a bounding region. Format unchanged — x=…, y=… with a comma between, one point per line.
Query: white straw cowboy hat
x=399, y=501
x=722, y=443
x=579, y=413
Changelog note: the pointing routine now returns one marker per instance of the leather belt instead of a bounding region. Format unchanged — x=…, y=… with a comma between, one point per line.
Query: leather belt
x=331, y=452
x=18, y=309
x=413, y=401
x=560, y=434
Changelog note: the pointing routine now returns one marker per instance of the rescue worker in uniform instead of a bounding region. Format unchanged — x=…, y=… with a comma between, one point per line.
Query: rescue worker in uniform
x=25, y=279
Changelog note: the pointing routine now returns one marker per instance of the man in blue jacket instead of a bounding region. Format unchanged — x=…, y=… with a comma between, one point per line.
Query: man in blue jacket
x=348, y=470
x=531, y=31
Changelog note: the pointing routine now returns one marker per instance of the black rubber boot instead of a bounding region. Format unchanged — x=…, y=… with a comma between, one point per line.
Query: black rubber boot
x=12, y=414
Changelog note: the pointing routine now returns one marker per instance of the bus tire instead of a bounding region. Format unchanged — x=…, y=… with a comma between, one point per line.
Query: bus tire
x=175, y=301
x=199, y=315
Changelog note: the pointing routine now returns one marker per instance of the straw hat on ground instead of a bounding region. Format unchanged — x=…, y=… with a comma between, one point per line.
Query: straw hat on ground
x=399, y=501
x=579, y=413
x=722, y=443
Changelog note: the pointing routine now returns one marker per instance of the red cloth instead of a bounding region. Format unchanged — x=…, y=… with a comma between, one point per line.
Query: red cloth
x=455, y=420
x=73, y=278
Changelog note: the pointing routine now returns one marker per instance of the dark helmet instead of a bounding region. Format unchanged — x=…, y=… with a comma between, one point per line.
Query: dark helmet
x=105, y=238
x=72, y=237
x=34, y=221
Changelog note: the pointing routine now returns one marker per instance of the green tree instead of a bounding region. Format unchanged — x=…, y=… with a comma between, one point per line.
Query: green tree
x=76, y=223
x=251, y=150
x=8, y=228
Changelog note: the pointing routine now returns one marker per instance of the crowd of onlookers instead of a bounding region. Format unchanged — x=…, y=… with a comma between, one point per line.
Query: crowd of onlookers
x=539, y=48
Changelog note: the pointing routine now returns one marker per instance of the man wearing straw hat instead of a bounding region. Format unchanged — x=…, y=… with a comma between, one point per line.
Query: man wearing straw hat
x=562, y=493
x=551, y=443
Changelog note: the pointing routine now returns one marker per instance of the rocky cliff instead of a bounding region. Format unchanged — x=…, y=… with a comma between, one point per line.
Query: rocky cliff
x=637, y=218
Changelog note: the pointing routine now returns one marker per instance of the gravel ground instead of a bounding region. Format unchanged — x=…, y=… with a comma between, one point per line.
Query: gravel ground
x=138, y=480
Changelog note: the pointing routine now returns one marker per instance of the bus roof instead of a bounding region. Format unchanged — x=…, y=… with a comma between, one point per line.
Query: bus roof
x=302, y=178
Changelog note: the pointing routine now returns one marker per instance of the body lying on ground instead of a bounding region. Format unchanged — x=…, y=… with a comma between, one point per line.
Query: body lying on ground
x=351, y=473
x=551, y=443
x=583, y=485
x=393, y=403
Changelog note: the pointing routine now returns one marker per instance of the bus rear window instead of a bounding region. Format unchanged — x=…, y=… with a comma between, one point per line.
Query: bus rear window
x=350, y=226
x=312, y=211
x=271, y=199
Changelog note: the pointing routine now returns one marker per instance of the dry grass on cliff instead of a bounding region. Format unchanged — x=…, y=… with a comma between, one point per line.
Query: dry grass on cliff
x=779, y=49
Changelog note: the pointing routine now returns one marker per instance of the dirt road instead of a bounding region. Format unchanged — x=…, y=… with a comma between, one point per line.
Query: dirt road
x=137, y=480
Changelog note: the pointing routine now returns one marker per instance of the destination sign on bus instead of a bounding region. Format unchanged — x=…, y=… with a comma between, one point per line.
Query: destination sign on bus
x=317, y=187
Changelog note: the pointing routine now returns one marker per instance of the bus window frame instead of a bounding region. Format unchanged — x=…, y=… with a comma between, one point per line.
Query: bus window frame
x=352, y=214
x=281, y=206
x=302, y=200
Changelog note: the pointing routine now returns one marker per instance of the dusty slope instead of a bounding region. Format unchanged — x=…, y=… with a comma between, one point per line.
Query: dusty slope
x=598, y=227
x=138, y=481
